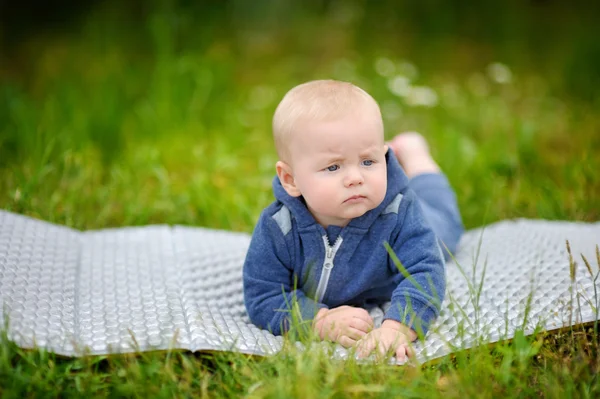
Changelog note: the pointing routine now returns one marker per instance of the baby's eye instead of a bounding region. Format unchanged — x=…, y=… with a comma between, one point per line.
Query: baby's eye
x=367, y=162
x=332, y=168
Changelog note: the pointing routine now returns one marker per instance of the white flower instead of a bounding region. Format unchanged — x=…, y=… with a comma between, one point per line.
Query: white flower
x=499, y=73
x=422, y=96
x=385, y=67
x=399, y=85
x=408, y=69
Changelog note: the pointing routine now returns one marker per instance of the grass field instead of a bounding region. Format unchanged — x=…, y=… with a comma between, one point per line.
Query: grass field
x=160, y=113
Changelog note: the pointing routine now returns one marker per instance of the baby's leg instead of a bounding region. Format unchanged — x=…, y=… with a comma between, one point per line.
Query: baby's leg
x=412, y=152
x=431, y=186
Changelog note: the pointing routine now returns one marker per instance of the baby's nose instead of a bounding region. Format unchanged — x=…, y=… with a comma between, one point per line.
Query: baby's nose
x=354, y=177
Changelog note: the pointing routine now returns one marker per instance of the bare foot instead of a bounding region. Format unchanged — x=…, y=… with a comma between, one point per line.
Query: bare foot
x=412, y=152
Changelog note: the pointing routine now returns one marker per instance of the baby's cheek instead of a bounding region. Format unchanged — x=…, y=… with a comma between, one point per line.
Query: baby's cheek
x=321, y=196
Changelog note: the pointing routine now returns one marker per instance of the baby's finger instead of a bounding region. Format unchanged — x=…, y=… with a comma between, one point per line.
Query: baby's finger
x=364, y=316
x=331, y=332
x=361, y=325
x=364, y=347
x=402, y=353
x=354, y=333
x=382, y=349
x=346, y=341
x=410, y=351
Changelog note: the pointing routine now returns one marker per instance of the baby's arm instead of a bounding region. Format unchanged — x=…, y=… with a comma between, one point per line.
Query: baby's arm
x=416, y=301
x=268, y=276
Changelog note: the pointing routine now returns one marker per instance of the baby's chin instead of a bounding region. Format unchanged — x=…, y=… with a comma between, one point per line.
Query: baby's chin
x=344, y=217
x=358, y=212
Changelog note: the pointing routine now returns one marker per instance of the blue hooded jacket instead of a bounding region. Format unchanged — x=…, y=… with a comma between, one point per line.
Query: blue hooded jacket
x=293, y=258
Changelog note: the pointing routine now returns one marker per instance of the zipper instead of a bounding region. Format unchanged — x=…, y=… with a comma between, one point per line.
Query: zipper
x=330, y=252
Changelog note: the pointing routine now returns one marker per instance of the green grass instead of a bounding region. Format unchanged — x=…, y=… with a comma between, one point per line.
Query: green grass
x=166, y=119
x=555, y=365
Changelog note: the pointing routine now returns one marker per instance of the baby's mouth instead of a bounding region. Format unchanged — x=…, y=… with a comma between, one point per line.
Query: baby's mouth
x=355, y=198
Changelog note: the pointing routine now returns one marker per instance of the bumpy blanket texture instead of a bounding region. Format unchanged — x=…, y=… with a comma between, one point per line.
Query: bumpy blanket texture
x=160, y=287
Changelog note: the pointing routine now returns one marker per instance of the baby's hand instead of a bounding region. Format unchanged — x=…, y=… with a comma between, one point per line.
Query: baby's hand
x=392, y=336
x=344, y=325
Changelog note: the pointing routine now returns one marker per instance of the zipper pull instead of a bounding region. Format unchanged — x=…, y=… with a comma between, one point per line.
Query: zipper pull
x=328, y=258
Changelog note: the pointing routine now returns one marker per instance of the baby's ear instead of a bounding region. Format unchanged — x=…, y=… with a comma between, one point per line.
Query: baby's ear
x=284, y=172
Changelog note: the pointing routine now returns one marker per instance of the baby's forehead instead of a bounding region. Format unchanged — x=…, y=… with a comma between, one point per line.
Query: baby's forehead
x=335, y=133
x=365, y=114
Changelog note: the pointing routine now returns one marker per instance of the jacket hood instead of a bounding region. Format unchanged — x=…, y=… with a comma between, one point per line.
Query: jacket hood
x=396, y=183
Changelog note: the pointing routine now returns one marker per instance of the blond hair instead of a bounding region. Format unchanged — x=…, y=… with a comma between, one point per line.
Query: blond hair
x=317, y=100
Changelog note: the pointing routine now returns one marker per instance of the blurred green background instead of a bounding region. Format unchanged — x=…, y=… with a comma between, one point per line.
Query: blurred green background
x=127, y=113
x=117, y=113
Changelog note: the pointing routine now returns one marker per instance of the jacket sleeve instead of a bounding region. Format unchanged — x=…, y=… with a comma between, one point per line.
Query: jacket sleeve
x=417, y=299
x=270, y=283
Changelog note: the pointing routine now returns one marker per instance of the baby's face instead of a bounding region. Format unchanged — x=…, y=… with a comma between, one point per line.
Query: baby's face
x=339, y=166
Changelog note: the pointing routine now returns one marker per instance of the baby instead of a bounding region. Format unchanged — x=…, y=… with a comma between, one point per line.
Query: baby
x=341, y=198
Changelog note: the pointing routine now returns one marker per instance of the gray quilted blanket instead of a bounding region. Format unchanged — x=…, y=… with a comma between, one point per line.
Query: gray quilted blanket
x=161, y=287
